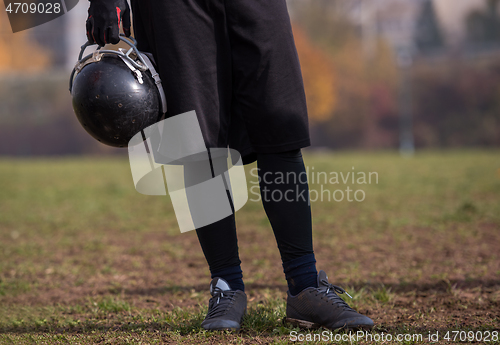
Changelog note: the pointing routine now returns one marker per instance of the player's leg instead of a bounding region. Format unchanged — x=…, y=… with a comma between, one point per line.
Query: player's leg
x=285, y=196
x=312, y=300
x=220, y=246
x=269, y=106
x=218, y=240
x=187, y=39
x=269, y=98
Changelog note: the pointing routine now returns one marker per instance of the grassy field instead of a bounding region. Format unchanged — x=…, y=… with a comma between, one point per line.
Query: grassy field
x=86, y=259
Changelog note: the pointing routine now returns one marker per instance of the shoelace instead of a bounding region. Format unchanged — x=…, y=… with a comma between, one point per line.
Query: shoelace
x=216, y=307
x=333, y=296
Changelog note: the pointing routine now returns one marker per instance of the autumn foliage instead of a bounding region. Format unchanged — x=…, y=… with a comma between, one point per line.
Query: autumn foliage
x=18, y=53
x=319, y=77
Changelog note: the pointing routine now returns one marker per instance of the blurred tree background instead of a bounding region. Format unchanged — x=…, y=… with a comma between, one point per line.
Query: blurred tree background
x=354, y=75
x=365, y=89
x=455, y=86
x=18, y=53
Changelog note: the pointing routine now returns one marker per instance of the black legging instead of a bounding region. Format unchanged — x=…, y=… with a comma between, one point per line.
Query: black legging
x=290, y=217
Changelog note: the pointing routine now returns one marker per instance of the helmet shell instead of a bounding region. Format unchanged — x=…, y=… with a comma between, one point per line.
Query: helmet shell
x=110, y=102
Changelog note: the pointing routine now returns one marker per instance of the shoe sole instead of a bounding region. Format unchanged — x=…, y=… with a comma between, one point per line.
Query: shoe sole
x=311, y=325
x=232, y=330
x=223, y=328
x=301, y=323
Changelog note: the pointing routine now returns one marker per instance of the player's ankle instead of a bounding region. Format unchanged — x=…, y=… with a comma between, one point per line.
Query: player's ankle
x=233, y=275
x=301, y=273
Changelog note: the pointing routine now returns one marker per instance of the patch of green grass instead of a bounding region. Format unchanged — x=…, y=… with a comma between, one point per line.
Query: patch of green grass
x=86, y=259
x=383, y=294
x=13, y=287
x=112, y=305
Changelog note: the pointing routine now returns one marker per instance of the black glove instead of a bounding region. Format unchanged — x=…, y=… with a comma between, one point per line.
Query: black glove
x=103, y=23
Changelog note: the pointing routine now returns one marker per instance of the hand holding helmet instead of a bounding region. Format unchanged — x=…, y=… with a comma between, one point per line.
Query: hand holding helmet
x=105, y=17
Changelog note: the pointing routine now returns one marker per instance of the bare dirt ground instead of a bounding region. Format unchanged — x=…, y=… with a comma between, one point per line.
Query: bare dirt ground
x=419, y=264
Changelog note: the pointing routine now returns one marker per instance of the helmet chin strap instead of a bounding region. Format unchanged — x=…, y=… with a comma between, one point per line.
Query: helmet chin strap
x=157, y=80
x=133, y=69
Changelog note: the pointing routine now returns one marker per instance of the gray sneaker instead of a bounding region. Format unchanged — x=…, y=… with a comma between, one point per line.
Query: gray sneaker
x=322, y=307
x=226, y=307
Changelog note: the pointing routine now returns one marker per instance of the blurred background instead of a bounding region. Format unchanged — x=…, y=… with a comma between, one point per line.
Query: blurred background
x=85, y=257
x=379, y=74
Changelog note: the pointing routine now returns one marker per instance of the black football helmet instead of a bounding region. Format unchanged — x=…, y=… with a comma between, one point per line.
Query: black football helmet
x=116, y=93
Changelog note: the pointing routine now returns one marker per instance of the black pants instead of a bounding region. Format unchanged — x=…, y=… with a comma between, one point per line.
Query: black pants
x=232, y=61
x=290, y=217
